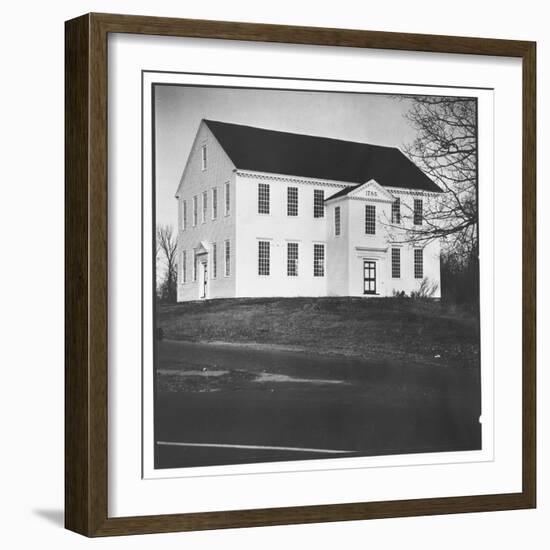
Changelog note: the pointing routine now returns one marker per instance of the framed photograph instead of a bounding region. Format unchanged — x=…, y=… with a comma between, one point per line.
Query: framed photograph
x=300, y=275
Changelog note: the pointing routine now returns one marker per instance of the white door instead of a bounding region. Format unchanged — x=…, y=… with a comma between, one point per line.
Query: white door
x=203, y=280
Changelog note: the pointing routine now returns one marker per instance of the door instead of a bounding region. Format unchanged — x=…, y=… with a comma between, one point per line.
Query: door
x=203, y=280
x=369, y=277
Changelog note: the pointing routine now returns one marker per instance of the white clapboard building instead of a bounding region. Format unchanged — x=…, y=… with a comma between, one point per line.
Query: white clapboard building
x=270, y=213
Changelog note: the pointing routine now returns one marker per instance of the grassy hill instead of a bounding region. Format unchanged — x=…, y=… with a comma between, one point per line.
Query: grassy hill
x=385, y=329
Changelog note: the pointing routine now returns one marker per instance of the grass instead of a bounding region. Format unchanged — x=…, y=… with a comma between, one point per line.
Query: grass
x=385, y=329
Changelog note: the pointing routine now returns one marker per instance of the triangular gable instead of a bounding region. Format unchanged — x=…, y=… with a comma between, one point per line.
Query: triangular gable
x=371, y=190
x=203, y=248
x=194, y=148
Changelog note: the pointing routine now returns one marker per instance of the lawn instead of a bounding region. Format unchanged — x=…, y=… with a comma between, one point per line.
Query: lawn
x=385, y=329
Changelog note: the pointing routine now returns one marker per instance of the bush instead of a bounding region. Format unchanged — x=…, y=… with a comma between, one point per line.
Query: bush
x=426, y=289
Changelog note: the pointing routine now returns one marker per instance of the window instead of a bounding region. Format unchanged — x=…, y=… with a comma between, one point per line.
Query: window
x=227, y=257
x=194, y=265
x=396, y=263
x=195, y=209
x=214, y=260
x=396, y=211
x=184, y=215
x=183, y=270
x=418, y=263
x=263, y=198
x=318, y=260
x=337, y=221
x=292, y=201
x=292, y=259
x=263, y=257
x=203, y=157
x=227, y=198
x=417, y=218
x=318, y=203
x=370, y=219
x=214, y=203
x=204, y=205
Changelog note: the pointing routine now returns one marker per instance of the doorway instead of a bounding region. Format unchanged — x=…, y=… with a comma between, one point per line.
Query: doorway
x=369, y=277
x=203, y=280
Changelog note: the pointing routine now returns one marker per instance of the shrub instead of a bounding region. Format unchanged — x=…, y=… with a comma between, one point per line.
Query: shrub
x=426, y=289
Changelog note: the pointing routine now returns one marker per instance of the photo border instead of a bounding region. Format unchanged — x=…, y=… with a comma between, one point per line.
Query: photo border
x=149, y=472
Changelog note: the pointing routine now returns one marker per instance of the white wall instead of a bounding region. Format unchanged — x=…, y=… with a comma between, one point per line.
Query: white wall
x=279, y=229
x=31, y=215
x=348, y=251
x=337, y=249
x=219, y=171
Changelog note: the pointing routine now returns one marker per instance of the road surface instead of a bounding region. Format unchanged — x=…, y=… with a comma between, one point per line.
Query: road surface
x=224, y=404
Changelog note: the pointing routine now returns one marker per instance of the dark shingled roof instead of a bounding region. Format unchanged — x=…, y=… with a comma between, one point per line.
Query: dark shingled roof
x=270, y=151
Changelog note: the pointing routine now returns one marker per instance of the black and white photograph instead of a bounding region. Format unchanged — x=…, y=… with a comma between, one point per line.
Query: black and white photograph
x=316, y=275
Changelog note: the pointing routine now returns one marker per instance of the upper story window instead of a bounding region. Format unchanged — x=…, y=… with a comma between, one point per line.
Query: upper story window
x=396, y=263
x=263, y=198
x=194, y=265
x=337, y=221
x=370, y=219
x=292, y=201
x=183, y=215
x=292, y=259
x=417, y=217
x=418, y=263
x=227, y=201
x=214, y=203
x=204, y=158
x=318, y=260
x=263, y=258
x=195, y=209
x=204, y=205
x=318, y=203
x=396, y=211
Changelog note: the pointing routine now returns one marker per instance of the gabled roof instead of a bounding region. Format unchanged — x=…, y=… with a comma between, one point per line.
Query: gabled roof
x=262, y=150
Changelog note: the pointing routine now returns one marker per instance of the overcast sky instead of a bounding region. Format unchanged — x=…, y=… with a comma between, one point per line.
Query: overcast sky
x=369, y=118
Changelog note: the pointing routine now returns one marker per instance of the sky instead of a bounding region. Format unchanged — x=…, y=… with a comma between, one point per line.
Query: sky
x=370, y=118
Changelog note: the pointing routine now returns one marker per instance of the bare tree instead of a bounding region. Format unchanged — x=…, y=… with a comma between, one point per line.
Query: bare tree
x=446, y=150
x=166, y=249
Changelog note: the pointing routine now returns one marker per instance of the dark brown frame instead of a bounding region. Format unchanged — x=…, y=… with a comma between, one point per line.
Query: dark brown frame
x=86, y=274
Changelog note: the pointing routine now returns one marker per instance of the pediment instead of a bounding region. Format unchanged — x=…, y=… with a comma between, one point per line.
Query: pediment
x=371, y=190
x=203, y=248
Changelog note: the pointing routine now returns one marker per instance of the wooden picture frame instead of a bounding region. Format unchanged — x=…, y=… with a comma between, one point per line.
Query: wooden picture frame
x=86, y=280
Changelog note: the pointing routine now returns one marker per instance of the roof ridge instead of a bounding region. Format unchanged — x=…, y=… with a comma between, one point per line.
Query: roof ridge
x=208, y=120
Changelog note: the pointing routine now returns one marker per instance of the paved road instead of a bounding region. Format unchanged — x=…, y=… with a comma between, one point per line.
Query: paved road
x=233, y=405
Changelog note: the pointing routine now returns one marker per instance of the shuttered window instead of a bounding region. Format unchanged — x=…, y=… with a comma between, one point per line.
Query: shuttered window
x=263, y=198
x=418, y=207
x=396, y=263
x=292, y=201
x=370, y=219
x=318, y=203
x=263, y=258
x=292, y=260
x=418, y=263
x=318, y=260
x=337, y=221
